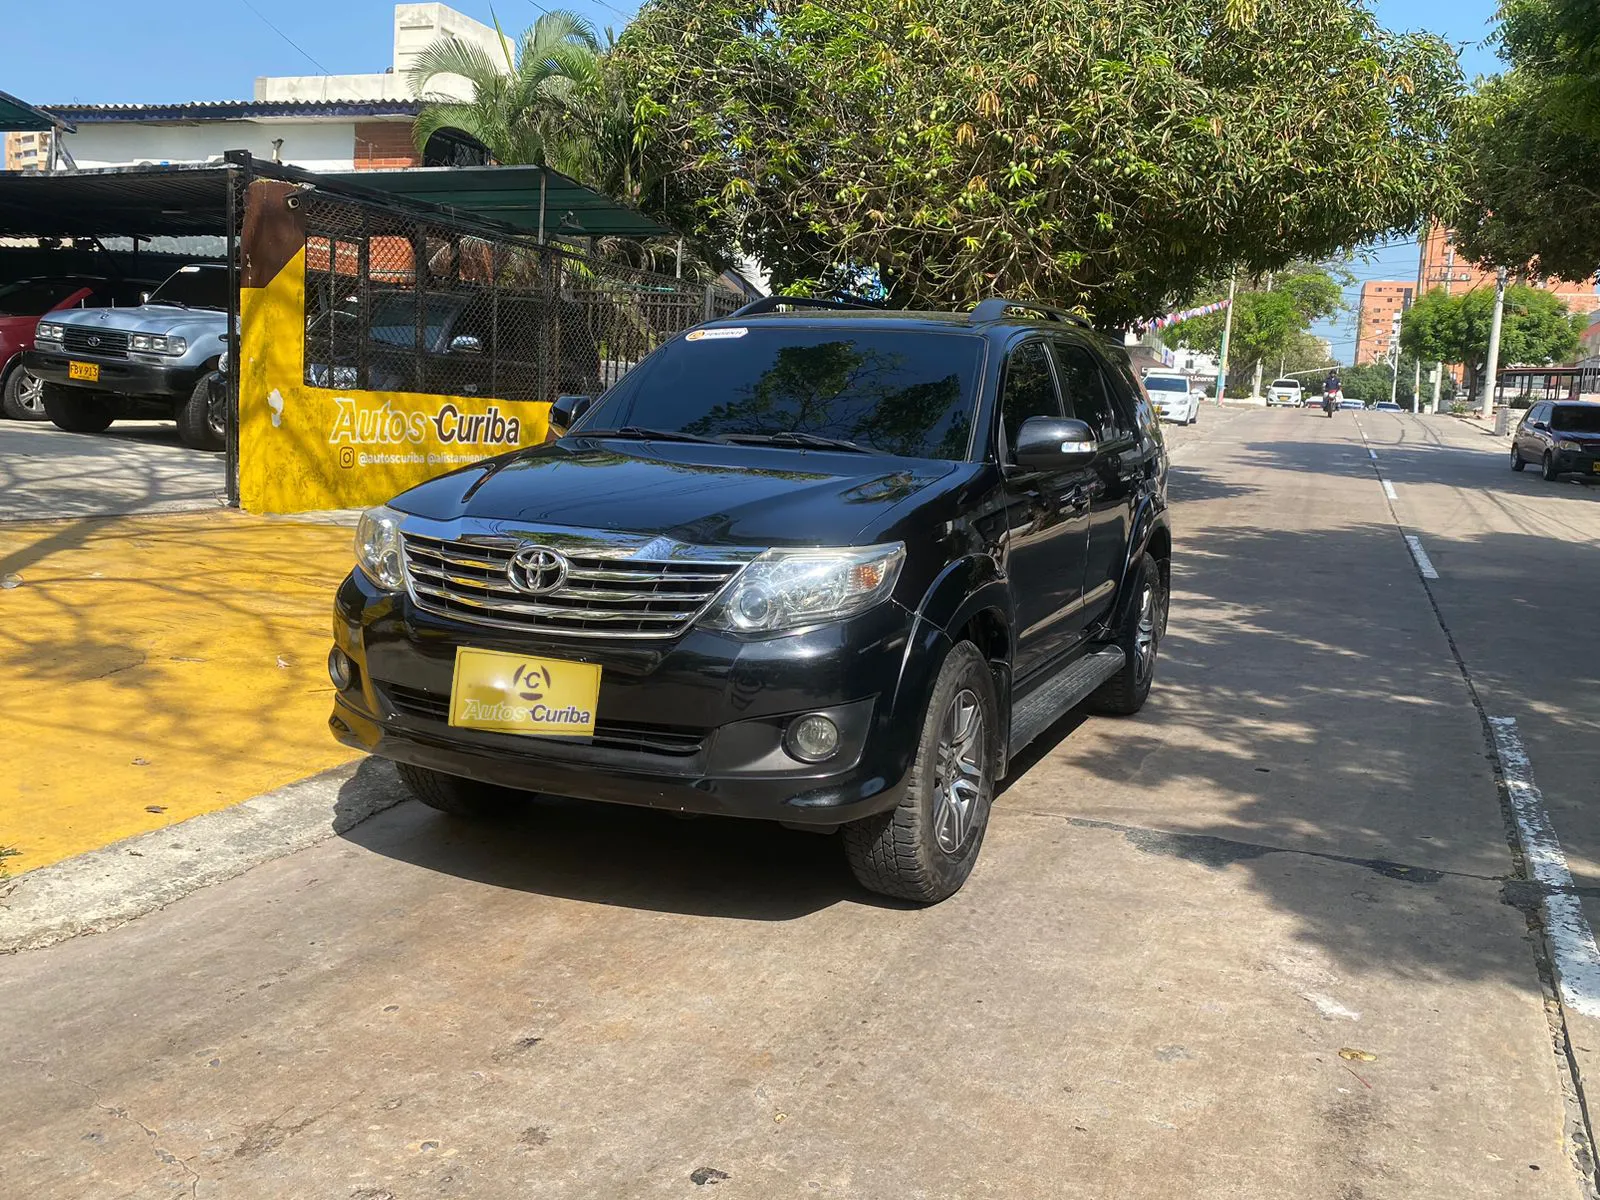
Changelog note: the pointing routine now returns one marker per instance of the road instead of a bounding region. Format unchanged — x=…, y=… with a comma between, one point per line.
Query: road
x=135, y=467
x=1263, y=940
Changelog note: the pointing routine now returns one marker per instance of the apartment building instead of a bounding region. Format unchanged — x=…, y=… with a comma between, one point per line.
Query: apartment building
x=1383, y=304
x=28, y=151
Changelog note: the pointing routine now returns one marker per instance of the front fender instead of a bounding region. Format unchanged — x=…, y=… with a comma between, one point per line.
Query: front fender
x=1147, y=518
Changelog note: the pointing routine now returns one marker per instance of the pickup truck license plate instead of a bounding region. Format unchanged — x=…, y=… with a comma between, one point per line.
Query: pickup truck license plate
x=83, y=370
x=521, y=693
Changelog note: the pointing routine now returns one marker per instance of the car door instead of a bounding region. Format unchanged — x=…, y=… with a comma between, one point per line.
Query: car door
x=1096, y=396
x=1529, y=441
x=1047, y=517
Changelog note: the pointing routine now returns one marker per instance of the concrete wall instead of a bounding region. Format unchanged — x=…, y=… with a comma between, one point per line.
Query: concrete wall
x=317, y=146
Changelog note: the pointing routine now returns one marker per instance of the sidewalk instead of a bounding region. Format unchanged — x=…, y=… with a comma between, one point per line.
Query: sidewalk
x=158, y=667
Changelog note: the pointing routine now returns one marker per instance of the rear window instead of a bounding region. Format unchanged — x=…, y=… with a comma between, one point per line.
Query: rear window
x=1576, y=418
x=35, y=297
x=900, y=392
x=1165, y=383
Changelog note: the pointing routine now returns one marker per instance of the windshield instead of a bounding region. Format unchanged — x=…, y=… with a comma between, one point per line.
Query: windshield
x=393, y=323
x=194, y=287
x=1158, y=383
x=34, y=297
x=1576, y=418
x=1286, y=383
x=899, y=392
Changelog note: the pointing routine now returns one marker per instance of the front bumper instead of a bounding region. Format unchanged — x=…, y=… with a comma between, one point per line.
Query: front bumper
x=124, y=376
x=1576, y=462
x=691, y=725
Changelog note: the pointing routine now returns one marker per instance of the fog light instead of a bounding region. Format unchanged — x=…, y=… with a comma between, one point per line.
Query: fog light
x=813, y=738
x=340, y=669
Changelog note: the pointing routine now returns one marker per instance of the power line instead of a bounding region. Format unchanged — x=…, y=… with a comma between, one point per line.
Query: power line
x=306, y=54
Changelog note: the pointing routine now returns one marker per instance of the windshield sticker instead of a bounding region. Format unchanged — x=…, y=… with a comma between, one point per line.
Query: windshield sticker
x=715, y=335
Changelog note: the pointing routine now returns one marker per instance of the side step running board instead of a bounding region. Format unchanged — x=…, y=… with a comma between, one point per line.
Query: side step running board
x=1045, y=704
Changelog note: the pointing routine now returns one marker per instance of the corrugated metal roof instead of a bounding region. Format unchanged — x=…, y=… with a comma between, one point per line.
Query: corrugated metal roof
x=19, y=117
x=232, y=110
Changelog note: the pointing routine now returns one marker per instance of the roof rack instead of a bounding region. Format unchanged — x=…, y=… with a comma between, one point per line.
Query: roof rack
x=769, y=304
x=995, y=309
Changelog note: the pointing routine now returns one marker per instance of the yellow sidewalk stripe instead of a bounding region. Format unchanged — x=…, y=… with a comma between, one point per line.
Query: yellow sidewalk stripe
x=153, y=668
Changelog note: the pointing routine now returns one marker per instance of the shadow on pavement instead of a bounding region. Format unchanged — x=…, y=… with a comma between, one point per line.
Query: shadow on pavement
x=632, y=857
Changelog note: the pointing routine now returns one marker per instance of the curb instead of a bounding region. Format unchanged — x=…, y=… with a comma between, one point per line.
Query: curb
x=101, y=889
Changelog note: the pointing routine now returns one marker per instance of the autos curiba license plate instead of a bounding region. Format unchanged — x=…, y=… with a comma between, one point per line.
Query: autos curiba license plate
x=520, y=693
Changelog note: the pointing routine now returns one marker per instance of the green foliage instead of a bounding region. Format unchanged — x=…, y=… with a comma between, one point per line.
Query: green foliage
x=1267, y=325
x=1369, y=382
x=528, y=107
x=1531, y=143
x=1535, y=328
x=5, y=853
x=1108, y=156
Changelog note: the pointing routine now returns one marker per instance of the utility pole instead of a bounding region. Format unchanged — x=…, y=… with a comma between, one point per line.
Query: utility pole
x=1449, y=277
x=1394, y=371
x=1255, y=387
x=1227, y=336
x=1416, y=387
x=1492, y=367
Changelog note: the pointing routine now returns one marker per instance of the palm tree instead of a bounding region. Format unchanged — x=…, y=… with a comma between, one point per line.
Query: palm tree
x=532, y=108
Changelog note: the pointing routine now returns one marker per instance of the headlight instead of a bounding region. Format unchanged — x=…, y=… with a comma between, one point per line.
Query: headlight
x=378, y=547
x=139, y=341
x=1566, y=445
x=47, y=333
x=786, y=589
x=173, y=345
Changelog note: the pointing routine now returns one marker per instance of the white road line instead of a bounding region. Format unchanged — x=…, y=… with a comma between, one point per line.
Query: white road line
x=1577, y=960
x=1417, y=552
x=1372, y=454
x=1388, y=490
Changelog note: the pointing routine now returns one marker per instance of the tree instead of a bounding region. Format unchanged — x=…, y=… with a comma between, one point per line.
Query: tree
x=1370, y=382
x=1530, y=144
x=1267, y=325
x=528, y=108
x=1535, y=329
x=1112, y=156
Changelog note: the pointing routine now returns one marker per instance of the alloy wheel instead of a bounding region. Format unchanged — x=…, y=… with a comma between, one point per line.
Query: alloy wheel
x=958, y=772
x=1144, y=638
x=30, y=394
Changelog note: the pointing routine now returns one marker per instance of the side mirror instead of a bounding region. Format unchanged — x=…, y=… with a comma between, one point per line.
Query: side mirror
x=465, y=343
x=567, y=409
x=1052, y=444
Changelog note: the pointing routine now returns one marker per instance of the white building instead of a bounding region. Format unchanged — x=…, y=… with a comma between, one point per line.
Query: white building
x=416, y=26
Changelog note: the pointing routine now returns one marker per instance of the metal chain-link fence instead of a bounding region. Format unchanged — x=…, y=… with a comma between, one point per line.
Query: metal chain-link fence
x=395, y=303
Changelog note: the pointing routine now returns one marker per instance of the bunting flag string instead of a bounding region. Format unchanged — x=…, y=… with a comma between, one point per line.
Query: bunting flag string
x=1172, y=318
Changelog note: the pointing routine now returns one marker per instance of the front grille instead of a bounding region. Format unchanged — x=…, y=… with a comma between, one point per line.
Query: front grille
x=604, y=596
x=671, y=740
x=107, y=343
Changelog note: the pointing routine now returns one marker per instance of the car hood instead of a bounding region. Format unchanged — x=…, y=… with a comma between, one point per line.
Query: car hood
x=147, y=318
x=699, y=494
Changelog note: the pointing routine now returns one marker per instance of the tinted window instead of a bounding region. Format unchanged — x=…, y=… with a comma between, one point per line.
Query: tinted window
x=34, y=297
x=1029, y=389
x=1165, y=383
x=1285, y=383
x=1576, y=418
x=896, y=391
x=1087, y=398
x=194, y=287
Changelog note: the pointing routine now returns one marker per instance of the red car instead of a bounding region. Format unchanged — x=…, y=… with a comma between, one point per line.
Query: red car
x=22, y=304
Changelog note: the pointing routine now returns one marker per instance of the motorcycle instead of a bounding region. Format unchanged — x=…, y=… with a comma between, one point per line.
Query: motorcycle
x=1330, y=401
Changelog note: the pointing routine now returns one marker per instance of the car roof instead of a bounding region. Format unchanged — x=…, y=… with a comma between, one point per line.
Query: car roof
x=932, y=320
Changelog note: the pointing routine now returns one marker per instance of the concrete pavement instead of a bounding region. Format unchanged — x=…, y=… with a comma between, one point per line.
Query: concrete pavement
x=1256, y=942
x=134, y=467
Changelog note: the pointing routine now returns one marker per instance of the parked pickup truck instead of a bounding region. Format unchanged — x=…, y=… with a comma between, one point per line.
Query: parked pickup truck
x=99, y=365
x=831, y=567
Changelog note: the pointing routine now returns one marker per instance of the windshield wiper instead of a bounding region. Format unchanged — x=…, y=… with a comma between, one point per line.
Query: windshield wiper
x=795, y=437
x=643, y=434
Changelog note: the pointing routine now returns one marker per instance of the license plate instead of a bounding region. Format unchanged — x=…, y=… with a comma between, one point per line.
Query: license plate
x=522, y=693
x=1595, y=467
x=82, y=370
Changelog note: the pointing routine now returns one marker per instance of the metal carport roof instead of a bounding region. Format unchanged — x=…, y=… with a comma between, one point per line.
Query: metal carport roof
x=19, y=117
x=180, y=200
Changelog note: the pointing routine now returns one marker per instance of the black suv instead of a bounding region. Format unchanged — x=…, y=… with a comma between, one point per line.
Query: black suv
x=826, y=566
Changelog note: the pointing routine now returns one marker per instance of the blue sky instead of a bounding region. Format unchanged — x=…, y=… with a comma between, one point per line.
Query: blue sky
x=214, y=49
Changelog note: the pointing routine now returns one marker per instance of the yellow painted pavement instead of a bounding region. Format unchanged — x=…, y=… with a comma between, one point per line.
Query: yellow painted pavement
x=157, y=667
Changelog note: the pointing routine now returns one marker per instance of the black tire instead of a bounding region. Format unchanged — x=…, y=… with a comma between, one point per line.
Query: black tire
x=1139, y=637
x=23, y=397
x=199, y=426
x=902, y=852
x=1517, y=461
x=1550, y=472
x=451, y=794
x=77, y=410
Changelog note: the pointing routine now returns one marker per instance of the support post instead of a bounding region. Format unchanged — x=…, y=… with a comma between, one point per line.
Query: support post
x=1227, y=336
x=1492, y=367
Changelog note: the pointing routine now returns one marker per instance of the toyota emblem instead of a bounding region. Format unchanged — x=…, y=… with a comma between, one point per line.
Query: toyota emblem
x=94, y=341
x=537, y=570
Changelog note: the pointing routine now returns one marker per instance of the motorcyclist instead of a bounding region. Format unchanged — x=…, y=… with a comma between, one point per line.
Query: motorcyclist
x=1330, y=392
